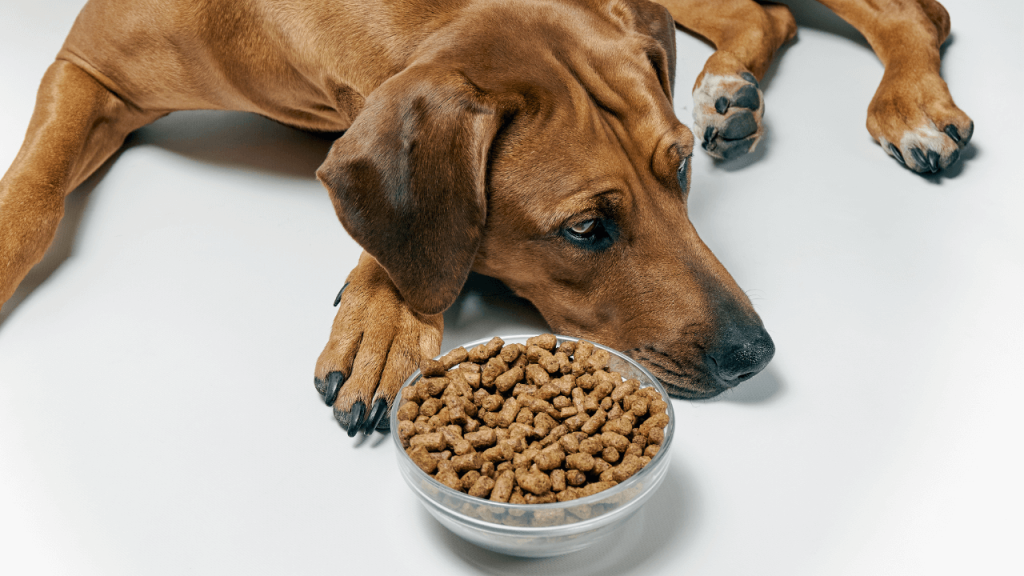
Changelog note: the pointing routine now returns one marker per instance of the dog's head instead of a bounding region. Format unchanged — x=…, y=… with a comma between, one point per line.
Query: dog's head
x=544, y=151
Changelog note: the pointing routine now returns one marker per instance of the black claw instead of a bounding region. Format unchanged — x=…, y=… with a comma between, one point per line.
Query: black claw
x=709, y=136
x=747, y=97
x=722, y=105
x=919, y=159
x=953, y=133
x=379, y=410
x=355, y=419
x=334, y=381
x=740, y=125
x=933, y=161
x=340, y=292
x=749, y=78
x=896, y=154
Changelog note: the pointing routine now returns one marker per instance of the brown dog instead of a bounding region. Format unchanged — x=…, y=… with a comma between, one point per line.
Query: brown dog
x=529, y=140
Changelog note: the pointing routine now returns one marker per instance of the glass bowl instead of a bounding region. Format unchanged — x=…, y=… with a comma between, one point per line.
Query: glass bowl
x=540, y=530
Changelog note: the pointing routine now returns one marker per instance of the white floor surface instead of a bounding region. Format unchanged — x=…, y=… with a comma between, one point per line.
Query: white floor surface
x=157, y=409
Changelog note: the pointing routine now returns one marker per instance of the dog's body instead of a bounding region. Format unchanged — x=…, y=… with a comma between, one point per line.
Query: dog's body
x=529, y=140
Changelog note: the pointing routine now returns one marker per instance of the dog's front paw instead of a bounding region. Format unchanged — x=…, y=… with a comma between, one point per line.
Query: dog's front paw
x=376, y=342
x=916, y=122
x=727, y=111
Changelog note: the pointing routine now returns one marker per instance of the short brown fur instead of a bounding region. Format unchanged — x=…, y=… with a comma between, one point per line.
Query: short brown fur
x=478, y=134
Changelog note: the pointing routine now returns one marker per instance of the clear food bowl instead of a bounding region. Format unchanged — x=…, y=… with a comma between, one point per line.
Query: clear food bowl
x=540, y=530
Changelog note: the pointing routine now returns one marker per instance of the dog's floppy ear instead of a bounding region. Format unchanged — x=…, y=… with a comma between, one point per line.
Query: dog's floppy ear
x=656, y=21
x=408, y=180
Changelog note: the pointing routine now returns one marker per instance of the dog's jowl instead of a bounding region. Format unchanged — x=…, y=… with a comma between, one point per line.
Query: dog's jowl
x=533, y=141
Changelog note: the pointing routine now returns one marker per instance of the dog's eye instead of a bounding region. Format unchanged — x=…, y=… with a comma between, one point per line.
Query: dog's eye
x=683, y=174
x=596, y=234
x=585, y=228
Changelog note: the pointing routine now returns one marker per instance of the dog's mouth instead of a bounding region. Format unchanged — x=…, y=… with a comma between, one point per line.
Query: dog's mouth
x=683, y=379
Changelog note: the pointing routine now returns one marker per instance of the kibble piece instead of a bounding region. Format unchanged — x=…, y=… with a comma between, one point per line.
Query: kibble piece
x=586, y=382
x=430, y=407
x=545, y=341
x=481, y=438
x=591, y=445
x=422, y=458
x=535, y=482
x=502, y=489
x=510, y=353
x=561, y=402
x=498, y=453
x=598, y=360
x=481, y=487
x=575, y=477
x=406, y=429
x=495, y=367
x=429, y=387
x=610, y=455
x=488, y=469
x=471, y=461
x=469, y=478
x=408, y=411
x=550, y=457
x=600, y=466
x=655, y=436
x=543, y=424
x=447, y=475
x=580, y=461
x=615, y=440
x=634, y=449
x=658, y=406
x=454, y=358
x=624, y=389
x=431, y=367
x=558, y=480
x=655, y=421
x=607, y=405
x=591, y=489
x=537, y=375
x=568, y=348
x=525, y=458
x=525, y=416
x=433, y=442
x=622, y=425
x=652, y=450
x=546, y=498
x=508, y=412
x=504, y=382
x=630, y=465
x=569, y=443
x=638, y=407
x=583, y=351
x=595, y=422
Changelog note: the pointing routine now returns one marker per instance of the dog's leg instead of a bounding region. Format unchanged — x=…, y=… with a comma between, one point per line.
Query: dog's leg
x=912, y=115
x=77, y=124
x=376, y=342
x=727, y=101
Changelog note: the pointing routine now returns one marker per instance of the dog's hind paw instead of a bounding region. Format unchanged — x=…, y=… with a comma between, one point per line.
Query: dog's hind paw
x=917, y=123
x=727, y=111
x=376, y=342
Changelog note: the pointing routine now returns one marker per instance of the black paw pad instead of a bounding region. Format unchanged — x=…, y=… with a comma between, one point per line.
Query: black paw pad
x=722, y=105
x=747, y=97
x=740, y=125
x=730, y=149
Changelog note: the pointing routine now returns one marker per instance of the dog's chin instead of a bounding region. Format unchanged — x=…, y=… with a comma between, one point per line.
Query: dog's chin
x=682, y=380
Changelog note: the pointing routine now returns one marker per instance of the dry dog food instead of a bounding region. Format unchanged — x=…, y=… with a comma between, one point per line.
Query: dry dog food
x=529, y=424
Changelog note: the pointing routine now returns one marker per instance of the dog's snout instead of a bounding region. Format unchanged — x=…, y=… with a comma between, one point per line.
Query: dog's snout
x=742, y=355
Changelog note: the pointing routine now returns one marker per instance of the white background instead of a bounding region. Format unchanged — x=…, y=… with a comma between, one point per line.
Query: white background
x=157, y=409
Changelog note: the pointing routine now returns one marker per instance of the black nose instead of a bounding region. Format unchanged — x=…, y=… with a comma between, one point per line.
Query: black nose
x=741, y=354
